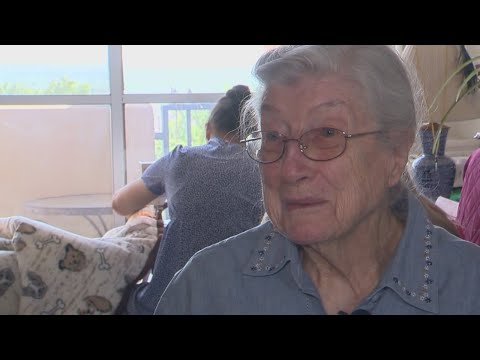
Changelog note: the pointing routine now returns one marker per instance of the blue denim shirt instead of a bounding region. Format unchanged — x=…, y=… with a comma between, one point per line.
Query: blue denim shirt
x=259, y=272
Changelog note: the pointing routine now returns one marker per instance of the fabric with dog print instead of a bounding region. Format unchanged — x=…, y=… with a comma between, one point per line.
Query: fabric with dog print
x=47, y=270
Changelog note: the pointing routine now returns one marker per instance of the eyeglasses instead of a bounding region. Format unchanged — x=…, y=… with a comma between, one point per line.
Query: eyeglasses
x=321, y=144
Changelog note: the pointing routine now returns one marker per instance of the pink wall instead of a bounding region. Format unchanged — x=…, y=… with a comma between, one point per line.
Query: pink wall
x=65, y=150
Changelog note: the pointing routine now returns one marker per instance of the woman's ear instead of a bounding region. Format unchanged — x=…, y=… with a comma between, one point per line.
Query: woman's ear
x=399, y=160
x=208, y=131
x=397, y=169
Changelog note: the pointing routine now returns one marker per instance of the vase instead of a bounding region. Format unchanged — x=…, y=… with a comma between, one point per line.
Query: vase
x=434, y=176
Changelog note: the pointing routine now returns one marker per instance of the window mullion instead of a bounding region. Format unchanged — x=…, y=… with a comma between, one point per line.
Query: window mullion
x=117, y=122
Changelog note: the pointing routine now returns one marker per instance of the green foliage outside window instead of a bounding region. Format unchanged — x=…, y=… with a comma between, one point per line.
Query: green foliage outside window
x=177, y=118
x=177, y=128
x=62, y=86
x=158, y=148
x=199, y=119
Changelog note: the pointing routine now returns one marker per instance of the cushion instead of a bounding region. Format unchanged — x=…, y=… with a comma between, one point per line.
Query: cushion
x=9, y=279
x=47, y=270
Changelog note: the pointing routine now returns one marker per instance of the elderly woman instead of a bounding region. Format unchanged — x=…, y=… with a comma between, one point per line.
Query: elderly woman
x=346, y=235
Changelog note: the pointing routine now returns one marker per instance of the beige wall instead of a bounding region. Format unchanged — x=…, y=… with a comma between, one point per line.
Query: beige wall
x=140, y=138
x=434, y=64
x=50, y=151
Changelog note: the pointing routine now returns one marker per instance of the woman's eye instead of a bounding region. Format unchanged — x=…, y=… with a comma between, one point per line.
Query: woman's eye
x=272, y=136
x=328, y=132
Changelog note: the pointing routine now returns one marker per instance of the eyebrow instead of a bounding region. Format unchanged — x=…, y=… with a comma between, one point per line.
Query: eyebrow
x=270, y=108
x=328, y=104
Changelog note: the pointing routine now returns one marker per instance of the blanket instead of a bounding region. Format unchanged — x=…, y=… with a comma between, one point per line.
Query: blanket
x=47, y=270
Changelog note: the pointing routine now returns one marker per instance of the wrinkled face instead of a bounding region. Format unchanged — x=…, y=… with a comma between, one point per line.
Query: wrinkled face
x=314, y=201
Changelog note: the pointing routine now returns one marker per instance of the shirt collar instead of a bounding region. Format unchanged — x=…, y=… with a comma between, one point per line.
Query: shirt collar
x=216, y=140
x=272, y=251
x=219, y=140
x=413, y=271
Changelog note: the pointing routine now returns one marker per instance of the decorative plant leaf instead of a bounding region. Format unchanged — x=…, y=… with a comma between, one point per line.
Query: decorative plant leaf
x=468, y=69
x=463, y=90
x=455, y=72
x=474, y=74
x=436, y=142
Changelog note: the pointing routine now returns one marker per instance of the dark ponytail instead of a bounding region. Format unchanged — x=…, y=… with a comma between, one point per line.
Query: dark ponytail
x=225, y=116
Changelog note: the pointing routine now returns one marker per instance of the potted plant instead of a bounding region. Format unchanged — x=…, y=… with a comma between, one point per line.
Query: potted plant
x=433, y=171
x=469, y=85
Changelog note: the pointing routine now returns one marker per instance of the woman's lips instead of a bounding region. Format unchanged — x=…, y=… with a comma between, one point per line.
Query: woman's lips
x=304, y=203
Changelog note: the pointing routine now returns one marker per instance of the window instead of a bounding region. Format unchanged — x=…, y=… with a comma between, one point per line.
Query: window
x=53, y=70
x=50, y=152
x=172, y=69
x=77, y=120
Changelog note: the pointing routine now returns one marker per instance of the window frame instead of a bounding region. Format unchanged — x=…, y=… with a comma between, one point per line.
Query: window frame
x=117, y=101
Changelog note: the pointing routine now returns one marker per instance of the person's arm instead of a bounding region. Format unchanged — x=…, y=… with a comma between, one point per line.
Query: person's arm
x=132, y=197
x=438, y=217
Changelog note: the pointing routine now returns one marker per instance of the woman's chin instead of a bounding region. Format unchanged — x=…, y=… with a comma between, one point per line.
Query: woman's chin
x=304, y=234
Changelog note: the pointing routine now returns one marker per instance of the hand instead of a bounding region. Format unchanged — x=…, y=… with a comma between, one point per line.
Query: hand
x=121, y=308
x=160, y=224
x=153, y=253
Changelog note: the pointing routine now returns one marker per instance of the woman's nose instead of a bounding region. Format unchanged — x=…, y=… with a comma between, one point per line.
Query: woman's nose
x=296, y=149
x=293, y=162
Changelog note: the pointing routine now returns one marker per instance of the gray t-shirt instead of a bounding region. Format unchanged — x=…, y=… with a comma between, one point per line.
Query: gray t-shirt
x=260, y=272
x=213, y=192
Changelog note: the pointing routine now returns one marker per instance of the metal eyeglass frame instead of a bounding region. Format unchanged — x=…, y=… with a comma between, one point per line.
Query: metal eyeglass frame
x=303, y=146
